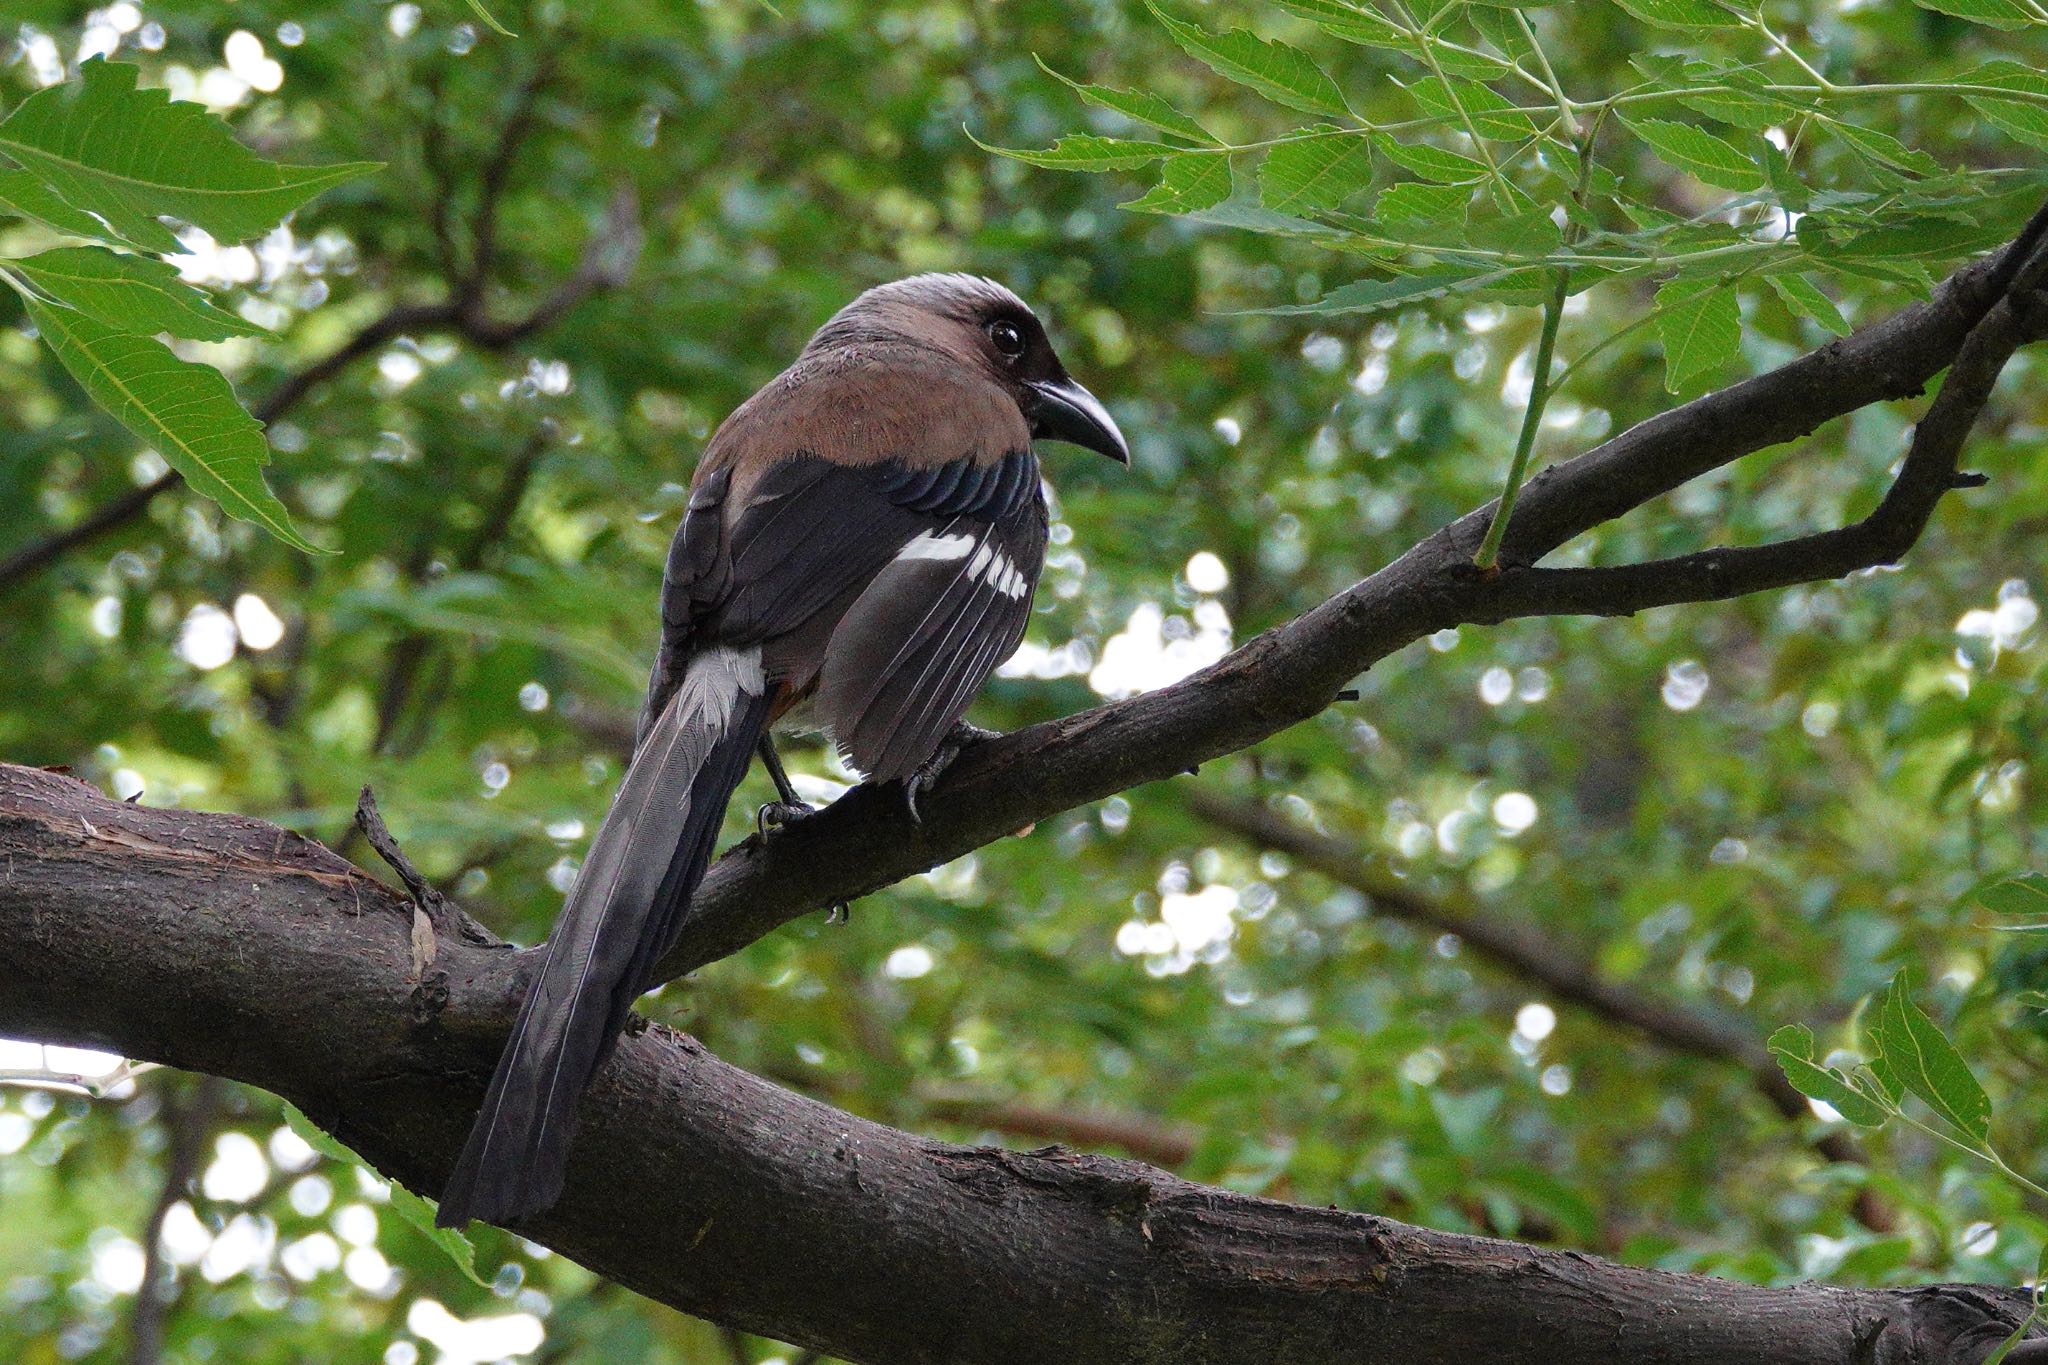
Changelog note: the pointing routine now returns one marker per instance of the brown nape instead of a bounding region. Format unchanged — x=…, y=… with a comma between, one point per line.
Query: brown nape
x=866, y=404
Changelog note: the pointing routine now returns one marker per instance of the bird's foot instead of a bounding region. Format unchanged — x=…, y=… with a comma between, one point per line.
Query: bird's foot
x=959, y=739
x=777, y=814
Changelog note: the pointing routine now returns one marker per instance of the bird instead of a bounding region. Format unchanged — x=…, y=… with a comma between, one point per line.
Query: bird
x=857, y=554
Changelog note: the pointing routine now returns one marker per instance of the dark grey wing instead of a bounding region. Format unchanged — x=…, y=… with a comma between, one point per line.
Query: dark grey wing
x=914, y=648
x=694, y=579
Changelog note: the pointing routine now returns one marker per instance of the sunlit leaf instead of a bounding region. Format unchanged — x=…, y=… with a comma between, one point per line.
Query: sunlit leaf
x=1792, y=1045
x=130, y=293
x=1140, y=106
x=1927, y=1063
x=1688, y=16
x=1190, y=181
x=1995, y=13
x=1434, y=163
x=1352, y=23
x=1086, y=152
x=131, y=155
x=184, y=411
x=1315, y=172
x=1281, y=73
x=23, y=194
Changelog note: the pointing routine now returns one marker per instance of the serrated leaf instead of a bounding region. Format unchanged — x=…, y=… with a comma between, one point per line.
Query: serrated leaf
x=1416, y=204
x=1190, y=181
x=1316, y=172
x=1927, y=1063
x=130, y=293
x=2020, y=119
x=2007, y=14
x=1701, y=328
x=1699, y=153
x=129, y=155
x=1434, y=163
x=1085, y=152
x=1281, y=73
x=1490, y=115
x=2026, y=894
x=184, y=411
x=1884, y=148
x=23, y=194
x=407, y=1205
x=1792, y=1045
x=1803, y=297
x=1371, y=296
x=1686, y=16
x=1137, y=105
x=1349, y=22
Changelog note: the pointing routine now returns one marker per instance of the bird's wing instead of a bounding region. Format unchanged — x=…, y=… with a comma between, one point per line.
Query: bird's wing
x=912, y=581
x=951, y=604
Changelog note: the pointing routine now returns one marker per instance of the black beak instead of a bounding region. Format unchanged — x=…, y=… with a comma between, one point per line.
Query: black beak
x=1061, y=410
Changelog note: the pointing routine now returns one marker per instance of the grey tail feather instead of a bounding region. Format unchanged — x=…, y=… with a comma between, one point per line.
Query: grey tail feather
x=626, y=910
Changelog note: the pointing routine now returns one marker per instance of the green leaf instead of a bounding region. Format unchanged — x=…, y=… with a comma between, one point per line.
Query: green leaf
x=1316, y=172
x=2026, y=894
x=184, y=411
x=129, y=155
x=2020, y=119
x=1085, y=152
x=1191, y=181
x=1139, y=106
x=1927, y=1063
x=407, y=1205
x=1349, y=22
x=1370, y=296
x=1687, y=16
x=22, y=193
x=1281, y=73
x=1490, y=115
x=1992, y=13
x=1416, y=204
x=1803, y=297
x=1792, y=1045
x=489, y=20
x=130, y=293
x=1699, y=153
x=1434, y=163
x=1700, y=326
x=1884, y=148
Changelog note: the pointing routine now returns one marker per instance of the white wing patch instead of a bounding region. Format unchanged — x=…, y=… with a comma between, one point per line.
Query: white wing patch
x=932, y=545
x=995, y=568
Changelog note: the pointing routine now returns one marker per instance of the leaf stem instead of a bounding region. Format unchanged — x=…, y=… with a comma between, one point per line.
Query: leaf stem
x=1532, y=420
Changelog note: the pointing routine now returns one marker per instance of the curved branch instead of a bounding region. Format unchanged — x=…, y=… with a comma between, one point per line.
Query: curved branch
x=1285, y=676
x=226, y=945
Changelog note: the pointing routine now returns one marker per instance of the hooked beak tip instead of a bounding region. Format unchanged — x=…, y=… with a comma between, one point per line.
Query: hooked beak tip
x=1065, y=411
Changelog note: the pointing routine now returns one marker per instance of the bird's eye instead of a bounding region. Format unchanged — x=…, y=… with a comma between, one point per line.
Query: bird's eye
x=1005, y=337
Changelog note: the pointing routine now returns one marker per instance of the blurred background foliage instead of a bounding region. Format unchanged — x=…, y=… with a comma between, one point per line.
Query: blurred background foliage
x=1754, y=811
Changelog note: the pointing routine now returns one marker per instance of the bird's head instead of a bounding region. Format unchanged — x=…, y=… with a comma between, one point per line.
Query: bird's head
x=984, y=325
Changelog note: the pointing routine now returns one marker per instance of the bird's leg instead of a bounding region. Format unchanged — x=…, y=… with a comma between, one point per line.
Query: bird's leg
x=962, y=736
x=789, y=807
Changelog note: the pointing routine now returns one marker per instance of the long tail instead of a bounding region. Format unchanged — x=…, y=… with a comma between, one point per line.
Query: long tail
x=625, y=911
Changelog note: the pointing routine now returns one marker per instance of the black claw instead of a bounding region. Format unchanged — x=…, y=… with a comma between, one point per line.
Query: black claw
x=777, y=814
x=839, y=912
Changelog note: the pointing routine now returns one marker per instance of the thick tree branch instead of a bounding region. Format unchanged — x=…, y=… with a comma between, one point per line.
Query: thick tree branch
x=226, y=945
x=1529, y=953
x=867, y=840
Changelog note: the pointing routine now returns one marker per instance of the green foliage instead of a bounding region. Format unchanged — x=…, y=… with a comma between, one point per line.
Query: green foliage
x=1762, y=809
x=100, y=158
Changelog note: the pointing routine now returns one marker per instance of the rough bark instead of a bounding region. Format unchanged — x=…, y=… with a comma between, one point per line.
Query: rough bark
x=229, y=946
